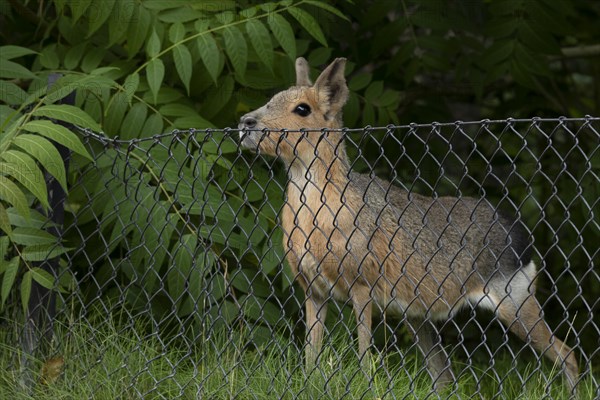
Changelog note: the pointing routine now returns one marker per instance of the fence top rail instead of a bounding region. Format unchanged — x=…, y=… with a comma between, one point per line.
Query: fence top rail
x=228, y=131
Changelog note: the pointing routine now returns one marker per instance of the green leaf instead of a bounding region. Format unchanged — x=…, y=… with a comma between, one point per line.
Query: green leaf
x=236, y=49
x=101, y=11
x=61, y=88
x=11, y=94
x=9, y=52
x=26, y=291
x=114, y=115
x=177, y=110
x=161, y=5
x=203, y=263
x=6, y=114
x=543, y=16
x=100, y=74
x=273, y=254
x=522, y=76
x=131, y=84
x=283, y=32
x=327, y=7
x=289, y=277
x=532, y=38
x=249, y=12
x=10, y=274
x=352, y=110
x=261, y=41
x=165, y=95
x=181, y=14
x=43, y=277
x=74, y=55
x=185, y=254
x=528, y=60
x=183, y=64
x=435, y=61
x=430, y=20
x=155, y=72
x=71, y=83
x=101, y=71
x=4, y=242
x=4, y=227
x=387, y=99
x=502, y=27
x=117, y=27
x=134, y=121
x=259, y=309
x=176, y=32
x=308, y=23
x=268, y=6
x=43, y=252
x=92, y=59
x=44, y=152
x=12, y=70
x=154, y=125
x=31, y=236
x=23, y=168
x=153, y=45
x=11, y=193
x=59, y=134
x=360, y=81
x=10, y=131
x=498, y=53
x=374, y=90
x=368, y=117
x=67, y=113
x=320, y=55
x=35, y=220
x=79, y=8
x=162, y=226
x=209, y=52
x=224, y=313
x=60, y=5
x=218, y=96
x=67, y=280
x=136, y=35
x=192, y=121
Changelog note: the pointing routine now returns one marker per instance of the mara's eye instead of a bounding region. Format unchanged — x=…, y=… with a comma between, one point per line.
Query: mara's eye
x=302, y=110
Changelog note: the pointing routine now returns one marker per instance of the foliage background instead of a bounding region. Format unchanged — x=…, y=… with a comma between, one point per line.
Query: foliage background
x=140, y=68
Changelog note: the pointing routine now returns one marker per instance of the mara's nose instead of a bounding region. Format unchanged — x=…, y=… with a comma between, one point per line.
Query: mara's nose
x=248, y=122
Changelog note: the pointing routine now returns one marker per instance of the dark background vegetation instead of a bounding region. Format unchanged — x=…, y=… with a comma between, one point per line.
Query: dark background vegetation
x=177, y=232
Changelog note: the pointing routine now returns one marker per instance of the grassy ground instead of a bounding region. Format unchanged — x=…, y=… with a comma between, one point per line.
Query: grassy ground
x=110, y=365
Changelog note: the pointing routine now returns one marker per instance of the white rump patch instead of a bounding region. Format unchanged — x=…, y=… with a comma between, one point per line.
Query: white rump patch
x=515, y=288
x=483, y=300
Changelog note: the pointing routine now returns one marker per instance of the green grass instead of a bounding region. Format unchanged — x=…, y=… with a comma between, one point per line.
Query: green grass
x=110, y=365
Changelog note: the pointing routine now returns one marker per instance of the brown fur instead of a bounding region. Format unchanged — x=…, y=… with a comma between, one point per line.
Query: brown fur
x=352, y=236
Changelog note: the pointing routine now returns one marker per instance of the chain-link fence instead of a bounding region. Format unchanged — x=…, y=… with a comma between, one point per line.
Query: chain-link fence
x=187, y=261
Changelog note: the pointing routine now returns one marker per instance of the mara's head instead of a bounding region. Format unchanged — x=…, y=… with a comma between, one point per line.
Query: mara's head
x=305, y=106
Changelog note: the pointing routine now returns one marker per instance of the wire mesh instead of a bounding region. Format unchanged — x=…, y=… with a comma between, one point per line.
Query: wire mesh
x=181, y=281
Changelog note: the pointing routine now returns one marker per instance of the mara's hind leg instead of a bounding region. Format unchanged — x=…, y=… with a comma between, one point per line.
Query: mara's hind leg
x=429, y=342
x=520, y=311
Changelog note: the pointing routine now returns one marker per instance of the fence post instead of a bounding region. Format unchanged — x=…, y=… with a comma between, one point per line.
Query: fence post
x=39, y=324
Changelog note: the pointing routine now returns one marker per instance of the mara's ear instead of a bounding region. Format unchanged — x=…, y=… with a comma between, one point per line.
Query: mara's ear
x=302, y=72
x=331, y=87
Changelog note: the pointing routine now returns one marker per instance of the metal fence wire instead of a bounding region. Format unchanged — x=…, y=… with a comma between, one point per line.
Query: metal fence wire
x=195, y=267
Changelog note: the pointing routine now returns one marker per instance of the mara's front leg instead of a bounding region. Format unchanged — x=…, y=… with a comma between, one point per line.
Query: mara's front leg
x=316, y=312
x=361, y=303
